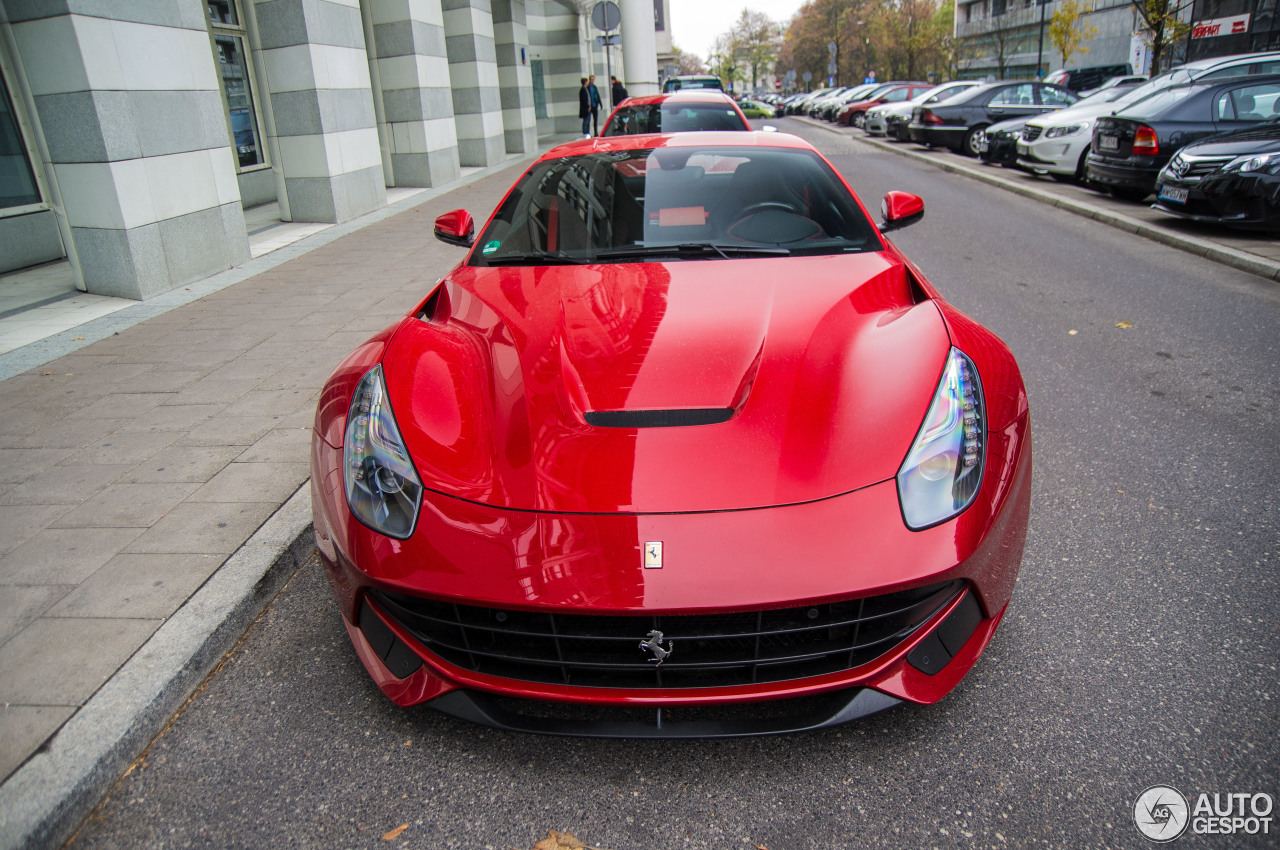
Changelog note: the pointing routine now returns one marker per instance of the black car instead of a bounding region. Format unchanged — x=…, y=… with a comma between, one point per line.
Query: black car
x=1231, y=179
x=1130, y=148
x=998, y=144
x=957, y=122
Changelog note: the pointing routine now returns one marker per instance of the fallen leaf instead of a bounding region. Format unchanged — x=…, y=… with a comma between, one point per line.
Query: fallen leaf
x=46, y=373
x=559, y=841
x=1073, y=333
x=73, y=339
x=1124, y=324
x=395, y=833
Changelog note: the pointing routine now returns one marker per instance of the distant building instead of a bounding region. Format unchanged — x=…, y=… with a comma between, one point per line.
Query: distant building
x=1226, y=27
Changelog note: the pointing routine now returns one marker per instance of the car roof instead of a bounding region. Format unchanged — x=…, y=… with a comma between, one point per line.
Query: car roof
x=684, y=96
x=717, y=139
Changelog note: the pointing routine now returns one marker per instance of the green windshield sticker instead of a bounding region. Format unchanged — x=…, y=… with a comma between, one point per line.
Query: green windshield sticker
x=490, y=247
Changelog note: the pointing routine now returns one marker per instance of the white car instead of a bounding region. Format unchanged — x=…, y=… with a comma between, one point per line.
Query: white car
x=880, y=118
x=1058, y=143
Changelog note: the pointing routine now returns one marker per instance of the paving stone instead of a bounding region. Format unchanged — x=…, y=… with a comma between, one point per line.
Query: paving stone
x=21, y=605
x=125, y=447
x=24, y=728
x=183, y=463
x=19, y=465
x=213, y=390
x=283, y=445
x=121, y=405
x=229, y=431
x=63, y=555
x=261, y=482
x=173, y=417
x=63, y=661
x=64, y=484
x=65, y=433
x=126, y=506
x=162, y=380
x=138, y=586
x=19, y=523
x=216, y=528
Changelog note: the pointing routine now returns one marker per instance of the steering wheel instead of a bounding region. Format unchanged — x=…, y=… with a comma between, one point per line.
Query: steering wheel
x=761, y=207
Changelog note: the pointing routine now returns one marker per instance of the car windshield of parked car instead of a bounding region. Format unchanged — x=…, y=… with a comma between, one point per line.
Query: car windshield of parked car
x=673, y=117
x=1160, y=103
x=675, y=203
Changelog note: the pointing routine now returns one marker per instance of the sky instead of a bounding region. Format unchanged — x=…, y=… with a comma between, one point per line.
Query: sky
x=696, y=23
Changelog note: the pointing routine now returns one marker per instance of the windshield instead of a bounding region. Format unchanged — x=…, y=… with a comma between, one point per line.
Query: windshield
x=673, y=117
x=675, y=203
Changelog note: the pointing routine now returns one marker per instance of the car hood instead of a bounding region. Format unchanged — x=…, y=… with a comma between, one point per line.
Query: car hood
x=1264, y=138
x=824, y=381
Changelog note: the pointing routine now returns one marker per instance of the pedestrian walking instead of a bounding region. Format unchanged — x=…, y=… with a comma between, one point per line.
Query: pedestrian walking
x=584, y=109
x=594, y=94
x=617, y=91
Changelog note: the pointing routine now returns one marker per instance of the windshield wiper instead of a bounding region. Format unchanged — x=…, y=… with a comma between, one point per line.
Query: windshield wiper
x=698, y=249
x=535, y=258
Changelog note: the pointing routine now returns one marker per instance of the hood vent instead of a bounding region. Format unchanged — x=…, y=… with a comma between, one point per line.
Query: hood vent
x=658, y=418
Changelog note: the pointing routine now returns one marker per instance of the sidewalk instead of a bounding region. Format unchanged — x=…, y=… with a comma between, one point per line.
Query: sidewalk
x=136, y=467
x=1256, y=253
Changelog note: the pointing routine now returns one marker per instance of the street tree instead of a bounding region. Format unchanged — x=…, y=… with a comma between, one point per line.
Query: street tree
x=1162, y=19
x=755, y=39
x=1069, y=29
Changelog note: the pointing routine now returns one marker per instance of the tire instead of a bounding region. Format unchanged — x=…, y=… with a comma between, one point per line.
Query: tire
x=1125, y=193
x=1082, y=168
x=969, y=147
x=859, y=120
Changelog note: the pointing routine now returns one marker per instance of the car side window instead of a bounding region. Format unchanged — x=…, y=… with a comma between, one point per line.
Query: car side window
x=1015, y=96
x=1055, y=97
x=1253, y=103
x=896, y=95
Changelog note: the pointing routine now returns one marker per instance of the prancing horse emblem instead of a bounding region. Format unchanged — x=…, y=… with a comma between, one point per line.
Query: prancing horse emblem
x=653, y=643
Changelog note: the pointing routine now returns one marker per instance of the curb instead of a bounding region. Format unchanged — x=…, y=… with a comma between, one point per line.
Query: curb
x=1205, y=248
x=47, y=799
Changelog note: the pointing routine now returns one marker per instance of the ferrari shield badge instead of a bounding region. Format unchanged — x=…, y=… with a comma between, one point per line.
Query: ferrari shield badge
x=653, y=555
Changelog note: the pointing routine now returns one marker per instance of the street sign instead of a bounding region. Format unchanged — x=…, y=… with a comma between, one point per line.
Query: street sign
x=606, y=15
x=807, y=76
x=831, y=48
x=613, y=40
x=831, y=68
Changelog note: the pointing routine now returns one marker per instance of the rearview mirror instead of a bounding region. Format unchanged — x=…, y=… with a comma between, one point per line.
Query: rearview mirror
x=456, y=228
x=900, y=209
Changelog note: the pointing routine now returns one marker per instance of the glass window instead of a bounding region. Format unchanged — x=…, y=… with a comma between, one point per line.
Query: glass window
x=670, y=117
x=1255, y=103
x=1015, y=96
x=17, y=180
x=1056, y=97
x=675, y=203
x=237, y=82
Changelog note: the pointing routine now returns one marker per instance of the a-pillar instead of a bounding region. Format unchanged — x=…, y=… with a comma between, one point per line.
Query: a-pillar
x=511, y=36
x=639, y=47
x=318, y=80
x=129, y=106
x=473, y=74
x=408, y=51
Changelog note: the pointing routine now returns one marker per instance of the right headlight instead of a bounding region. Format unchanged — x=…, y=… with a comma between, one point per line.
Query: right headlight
x=943, y=470
x=383, y=488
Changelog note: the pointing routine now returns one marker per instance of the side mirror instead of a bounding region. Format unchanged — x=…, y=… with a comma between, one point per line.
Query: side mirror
x=899, y=210
x=456, y=228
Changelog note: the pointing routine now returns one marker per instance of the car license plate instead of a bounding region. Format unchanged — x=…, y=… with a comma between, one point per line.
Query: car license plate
x=1173, y=193
x=1023, y=149
x=1108, y=143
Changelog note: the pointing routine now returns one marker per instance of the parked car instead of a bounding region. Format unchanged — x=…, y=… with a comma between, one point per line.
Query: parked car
x=1057, y=143
x=957, y=122
x=621, y=456
x=817, y=106
x=797, y=106
x=831, y=106
x=1130, y=148
x=891, y=119
x=678, y=112
x=692, y=81
x=1124, y=81
x=1079, y=79
x=1231, y=179
x=756, y=109
x=854, y=114
x=998, y=144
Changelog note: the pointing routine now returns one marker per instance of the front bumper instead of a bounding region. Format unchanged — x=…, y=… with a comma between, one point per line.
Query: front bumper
x=842, y=548
x=1052, y=156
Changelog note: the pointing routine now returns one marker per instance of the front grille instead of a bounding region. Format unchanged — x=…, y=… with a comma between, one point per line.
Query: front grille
x=1031, y=132
x=706, y=650
x=1198, y=167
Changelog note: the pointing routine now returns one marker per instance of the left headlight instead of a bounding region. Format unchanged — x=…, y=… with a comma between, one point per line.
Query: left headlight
x=943, y=470
x=383, y=489
x=1055, y=132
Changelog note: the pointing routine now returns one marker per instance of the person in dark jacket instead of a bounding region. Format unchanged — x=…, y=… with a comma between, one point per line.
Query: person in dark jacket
x=584, y=109
x=594, y=94
x=618, y=93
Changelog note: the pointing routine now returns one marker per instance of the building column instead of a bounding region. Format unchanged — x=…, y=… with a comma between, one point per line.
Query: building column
x=408, y=51
x=639, y=47
x=473, y=73
x=318, y=82
x=132, y=117
x=555, y=42
x=511, y=36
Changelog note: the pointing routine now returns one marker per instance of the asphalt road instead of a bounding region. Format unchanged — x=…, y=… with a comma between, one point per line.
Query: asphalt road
x=1140, y=648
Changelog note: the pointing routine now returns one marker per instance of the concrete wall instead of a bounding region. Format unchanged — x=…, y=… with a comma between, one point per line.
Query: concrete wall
x=28, y=240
